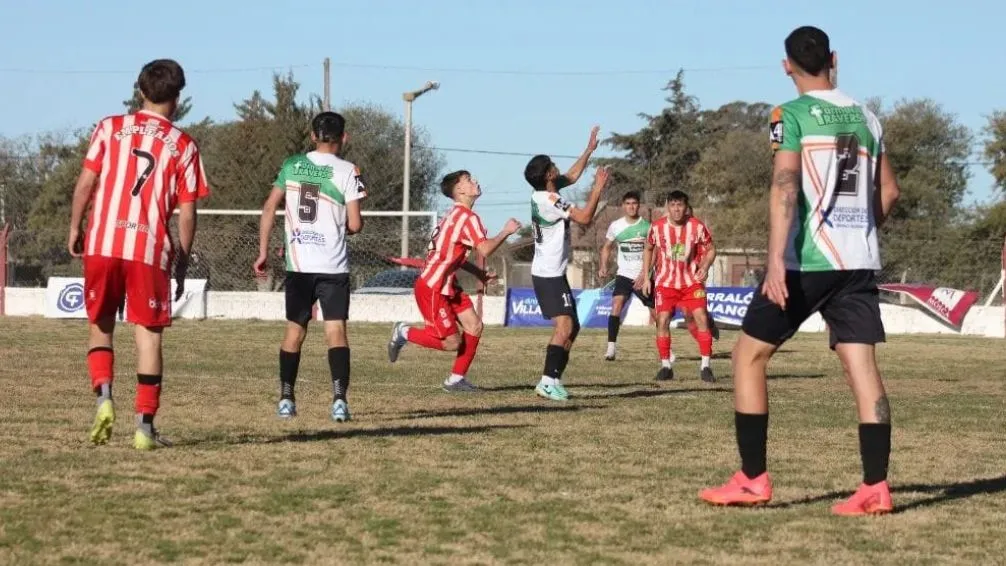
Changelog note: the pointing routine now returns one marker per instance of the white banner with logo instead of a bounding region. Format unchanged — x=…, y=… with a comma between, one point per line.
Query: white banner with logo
x=64, y=298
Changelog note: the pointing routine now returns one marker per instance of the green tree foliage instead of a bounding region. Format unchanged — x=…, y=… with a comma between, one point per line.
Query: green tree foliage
x=995, y=147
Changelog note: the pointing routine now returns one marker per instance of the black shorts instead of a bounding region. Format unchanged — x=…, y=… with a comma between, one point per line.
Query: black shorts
x=554, y=296
x=331, y=291
x=624, y=288
x=849, y=302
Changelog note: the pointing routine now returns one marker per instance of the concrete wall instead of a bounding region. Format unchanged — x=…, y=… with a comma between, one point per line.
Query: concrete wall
x=980, y=321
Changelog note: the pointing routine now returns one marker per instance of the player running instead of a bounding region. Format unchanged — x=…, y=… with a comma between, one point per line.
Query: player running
x=832, y=187
x=550, y=218
x=441, y=301
x=679, y=240
x=138, y=168
x=629, y=234
x=322, y=193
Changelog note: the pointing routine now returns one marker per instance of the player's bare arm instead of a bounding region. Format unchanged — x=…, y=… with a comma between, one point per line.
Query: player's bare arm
x=87, y=181
x=585, y=215
x=266, y=223
x=484, y=275
x=888, y=191
x=602, y=271
x=786, y=180
x=354, y=218
x=573, y=174
x=708, y=255
x=643, y=282
x=487, y=247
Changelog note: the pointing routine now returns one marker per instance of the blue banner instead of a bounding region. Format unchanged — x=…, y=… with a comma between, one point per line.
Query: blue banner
x=726, y=305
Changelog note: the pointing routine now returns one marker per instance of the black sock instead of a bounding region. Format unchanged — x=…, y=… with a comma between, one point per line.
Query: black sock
x=752, y=437
x=613, y=323
x=338, y=363
x=289, y=363
x=875, y=450
x=563, y=362
x=553, y=359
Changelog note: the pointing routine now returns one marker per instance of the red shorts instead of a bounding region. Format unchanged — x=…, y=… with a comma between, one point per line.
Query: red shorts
x=145, y=290
x=440, y=312
x=690, y=299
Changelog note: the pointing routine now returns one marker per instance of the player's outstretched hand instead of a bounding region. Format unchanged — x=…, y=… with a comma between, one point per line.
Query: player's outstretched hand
x=601, y=178
x=259, y=265
x=774, y=286
x=512, y=226
x=592, y=143
x=646, y=288
x=602, y=272
x=75, y=243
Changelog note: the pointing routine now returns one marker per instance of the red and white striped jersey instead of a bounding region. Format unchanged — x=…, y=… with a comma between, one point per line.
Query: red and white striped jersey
x=678, y=249
x=459, y=231
x=145, y=166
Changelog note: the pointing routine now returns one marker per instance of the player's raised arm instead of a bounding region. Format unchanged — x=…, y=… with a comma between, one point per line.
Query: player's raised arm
x=573, y=174
x=888, y=192
x=602, y=271
x=585, y=215
x=488, y=246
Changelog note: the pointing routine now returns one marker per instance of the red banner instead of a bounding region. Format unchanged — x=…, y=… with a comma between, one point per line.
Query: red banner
x=949, y=305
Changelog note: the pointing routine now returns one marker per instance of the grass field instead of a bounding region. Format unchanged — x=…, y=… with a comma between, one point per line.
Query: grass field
x=423, y=476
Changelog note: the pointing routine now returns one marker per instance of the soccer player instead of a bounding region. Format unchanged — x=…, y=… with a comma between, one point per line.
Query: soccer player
x=550, y=218
x=832, y=187
x=322, y=193
x=679, y=240
x=629, y=234
x=138, y=168
x=440, y=299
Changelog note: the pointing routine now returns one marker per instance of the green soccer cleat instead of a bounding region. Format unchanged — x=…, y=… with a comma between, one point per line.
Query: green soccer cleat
x=103, y=420
x=552, y=392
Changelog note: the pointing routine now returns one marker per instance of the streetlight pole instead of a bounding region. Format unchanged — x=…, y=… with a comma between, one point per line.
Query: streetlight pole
x=409, y=97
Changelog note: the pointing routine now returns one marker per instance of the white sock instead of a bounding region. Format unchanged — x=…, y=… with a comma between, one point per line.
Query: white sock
x=611, y=349
x=665, y=363
x=546, y=380
x=705, y=362
x=454, y=378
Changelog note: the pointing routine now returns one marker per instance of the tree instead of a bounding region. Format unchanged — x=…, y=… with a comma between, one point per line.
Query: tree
x=995, y=147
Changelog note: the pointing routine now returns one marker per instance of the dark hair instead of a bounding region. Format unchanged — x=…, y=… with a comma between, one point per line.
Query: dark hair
x=161, y=80
x=537, y=170
x=676, y=196
x=810, y=49
x=328, y=127
x=451, y=181
x=632, y=195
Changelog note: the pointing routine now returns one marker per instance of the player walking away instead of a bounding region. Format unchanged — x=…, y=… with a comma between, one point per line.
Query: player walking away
x=828, y=168
x=679, y=240
x=550, y=218
x=138, y=168
x=629, y=234
x=322, y=193
x=440, y=299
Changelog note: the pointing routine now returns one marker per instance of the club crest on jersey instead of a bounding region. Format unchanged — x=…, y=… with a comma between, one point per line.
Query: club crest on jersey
x=677, y=251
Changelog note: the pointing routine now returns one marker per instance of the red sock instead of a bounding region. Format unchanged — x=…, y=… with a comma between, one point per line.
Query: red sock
x=693, y=329
x=705, y=340
x=423, y=337
x=100, y=364
x=664, y=347
x=466, y=354
x=148, y=394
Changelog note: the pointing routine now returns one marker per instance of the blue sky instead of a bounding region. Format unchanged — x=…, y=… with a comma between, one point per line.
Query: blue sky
x=63, y=64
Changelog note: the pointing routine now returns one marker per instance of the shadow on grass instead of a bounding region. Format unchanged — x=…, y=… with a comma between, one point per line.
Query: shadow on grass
x=796, y=376
x=343, y=434
x=572, y=384
x=655, y=392
x=937, y=494
x=500, y=411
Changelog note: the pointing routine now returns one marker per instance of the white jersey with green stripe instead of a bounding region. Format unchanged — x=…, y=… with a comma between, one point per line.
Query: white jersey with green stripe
x=550, y=227
x=630, y=238
x=318, y=186
x=840, y=142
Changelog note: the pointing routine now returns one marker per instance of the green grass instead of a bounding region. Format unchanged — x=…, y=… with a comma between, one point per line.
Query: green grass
x=497, y=477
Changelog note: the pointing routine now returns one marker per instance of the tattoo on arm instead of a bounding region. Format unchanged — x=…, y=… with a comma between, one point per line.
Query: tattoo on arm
x=882, y=410
x=788, y=182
